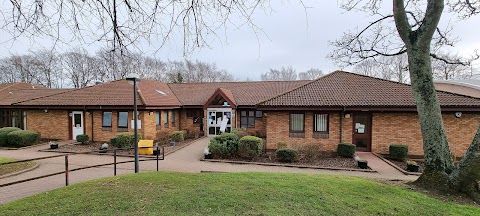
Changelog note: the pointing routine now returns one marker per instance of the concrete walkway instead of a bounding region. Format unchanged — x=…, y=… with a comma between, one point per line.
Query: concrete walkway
x=184, y=160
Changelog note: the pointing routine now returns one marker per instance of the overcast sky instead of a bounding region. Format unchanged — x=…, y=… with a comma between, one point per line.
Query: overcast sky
x=287, y=39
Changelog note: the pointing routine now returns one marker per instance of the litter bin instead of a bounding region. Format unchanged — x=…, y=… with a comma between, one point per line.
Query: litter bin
x=145, y=143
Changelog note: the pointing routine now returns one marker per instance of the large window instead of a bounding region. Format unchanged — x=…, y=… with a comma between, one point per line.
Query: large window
x=157, y=118
x=320, y=125
x=172, y=113
x=107, y=120
x=297, y=125
x=13, y=118
x=247, y=119
x=122, y=121
x=165, y=118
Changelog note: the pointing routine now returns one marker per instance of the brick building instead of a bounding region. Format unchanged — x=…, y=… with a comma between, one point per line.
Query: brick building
x=339, y=107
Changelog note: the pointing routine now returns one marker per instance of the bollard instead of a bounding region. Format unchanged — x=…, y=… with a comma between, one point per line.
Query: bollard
x=158, y=152
x=115, y=162
x=66, y=170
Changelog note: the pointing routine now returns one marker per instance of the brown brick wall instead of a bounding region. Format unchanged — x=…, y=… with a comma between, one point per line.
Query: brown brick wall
x=387, y=129
x=278, y=131
x=51, y=125
x=404, y=128
x=186, y=123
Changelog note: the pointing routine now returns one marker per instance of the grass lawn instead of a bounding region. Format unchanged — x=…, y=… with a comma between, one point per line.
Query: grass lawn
x=12, y=168
x=167, y=193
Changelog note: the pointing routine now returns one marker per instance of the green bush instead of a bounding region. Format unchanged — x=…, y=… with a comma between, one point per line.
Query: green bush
x=83, y=138
x=163, y=137
x=237, y=130
x=3, y=134
x=124, y=139
x=398, y=152
x=178, y=136
x=250, y=147
x=21, y=138
x=346, y=149
x=224, y=145
x=287, y=155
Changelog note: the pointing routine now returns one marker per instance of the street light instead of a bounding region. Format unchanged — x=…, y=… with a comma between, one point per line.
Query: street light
x=133, y=78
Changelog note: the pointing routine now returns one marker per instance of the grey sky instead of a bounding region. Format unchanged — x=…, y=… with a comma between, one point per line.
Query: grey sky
x=287, y=39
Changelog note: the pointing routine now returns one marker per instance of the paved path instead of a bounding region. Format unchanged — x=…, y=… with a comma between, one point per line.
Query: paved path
x=184, y=160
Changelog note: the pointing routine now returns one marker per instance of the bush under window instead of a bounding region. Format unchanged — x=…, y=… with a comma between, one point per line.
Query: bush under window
x=3, y=134
x=178, y=136
x=124, y=139
x=21, y=138
x=82, y=138
x=346, y=149
x=398, y=152
x=287, y=155
x=250, y=147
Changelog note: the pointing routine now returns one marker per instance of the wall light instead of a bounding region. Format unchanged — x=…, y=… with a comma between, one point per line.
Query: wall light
x=45, y=110
x=347, y=115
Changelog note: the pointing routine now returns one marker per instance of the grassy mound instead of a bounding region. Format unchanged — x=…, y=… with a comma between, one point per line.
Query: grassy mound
x=13, y=168
x=169, y=193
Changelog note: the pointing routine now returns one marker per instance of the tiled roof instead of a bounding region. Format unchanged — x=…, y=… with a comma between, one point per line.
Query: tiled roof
x=340, y=89
x=244, y=93
x=16, y=92
x=115, y=93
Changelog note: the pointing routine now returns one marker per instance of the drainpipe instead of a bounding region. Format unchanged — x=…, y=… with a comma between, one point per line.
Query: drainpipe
x=341, y=122
x=91, y=115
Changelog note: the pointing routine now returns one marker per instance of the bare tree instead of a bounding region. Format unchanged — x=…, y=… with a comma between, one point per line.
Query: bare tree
x=416, y=33
x=81, y=68
x=311, y=74
x=445, y=71
x=197, y=71
x=124, y=23
x=284, y=73
x=393, y=68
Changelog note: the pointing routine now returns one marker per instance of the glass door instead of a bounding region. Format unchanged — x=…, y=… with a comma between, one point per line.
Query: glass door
x=362, y=131
x=219, y=120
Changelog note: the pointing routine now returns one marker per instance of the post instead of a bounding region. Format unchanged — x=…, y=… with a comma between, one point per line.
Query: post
x=115, y=162
x=135, y=126
x=158, y=152
x=66, y=170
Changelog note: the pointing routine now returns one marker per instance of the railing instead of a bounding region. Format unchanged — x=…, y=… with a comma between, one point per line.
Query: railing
x=67, y=170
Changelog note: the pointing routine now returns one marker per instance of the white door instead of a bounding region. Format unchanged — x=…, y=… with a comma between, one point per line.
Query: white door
x=77, y=124
x=215, y=118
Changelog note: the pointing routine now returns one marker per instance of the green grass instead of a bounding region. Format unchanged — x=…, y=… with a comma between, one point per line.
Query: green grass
x=12, y=168
x=166, y=193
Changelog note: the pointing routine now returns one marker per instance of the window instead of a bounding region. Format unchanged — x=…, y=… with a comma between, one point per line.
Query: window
x=320, y=125
x=157, y=118
x=107, y=121
x=297, y=125
x=258, y=114
x=123, y=121
x=247, y=119
x=172, y=113
x=165, y=118
x=190, y=113
x=13, y=118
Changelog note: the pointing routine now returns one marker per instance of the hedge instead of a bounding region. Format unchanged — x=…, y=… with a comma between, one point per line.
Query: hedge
x=287, y=155
x=346, y=149
x=21, y=138
x=398, y=152
x=83, y=138
x=224, y=145
x=124, y=139
x=250, y=147
x=178, y=136
x=3, y=134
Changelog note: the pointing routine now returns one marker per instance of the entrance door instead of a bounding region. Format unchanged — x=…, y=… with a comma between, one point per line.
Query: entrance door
x=77, y=124
x=215, y=119
x=362, y=131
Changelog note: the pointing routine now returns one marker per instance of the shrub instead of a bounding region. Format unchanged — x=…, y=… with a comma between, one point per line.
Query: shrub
x=124, y=139
x=163, y=137
x=398, y=152
x=310, y=152
x=218, y=150
x=224, y=145
x=21, y=138
x=237, y=130
x=346, y=149
x=3, y=134
x=282, y=145
x=250, y=147
x=83, y=138
x=177, y=136
x=287, y=155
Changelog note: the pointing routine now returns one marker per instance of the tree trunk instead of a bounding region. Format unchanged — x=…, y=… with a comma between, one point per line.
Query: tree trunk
x=438, y=161
x=467, y=175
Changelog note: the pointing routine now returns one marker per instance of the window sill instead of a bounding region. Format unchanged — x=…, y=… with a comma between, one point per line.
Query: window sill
x=158, y=127
x=106, y=128
x=122, y=129
x=297, y=134
x=320, y=135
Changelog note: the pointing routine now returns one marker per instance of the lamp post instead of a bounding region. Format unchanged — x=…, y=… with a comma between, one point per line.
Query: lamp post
x=133, y=79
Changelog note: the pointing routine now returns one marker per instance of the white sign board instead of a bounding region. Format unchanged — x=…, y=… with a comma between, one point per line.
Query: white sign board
x=139, y=124
x=223, y=126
